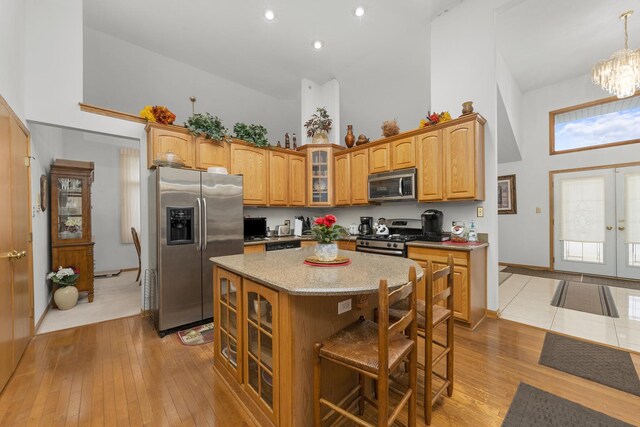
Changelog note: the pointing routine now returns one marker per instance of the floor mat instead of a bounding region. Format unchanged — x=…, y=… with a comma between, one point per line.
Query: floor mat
x=534, y=407
x=586, y=297
x=604, y=365
x=197, y=335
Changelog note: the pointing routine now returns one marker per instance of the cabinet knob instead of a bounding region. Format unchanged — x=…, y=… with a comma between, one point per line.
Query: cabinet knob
x=609, y=227
x=620, y=228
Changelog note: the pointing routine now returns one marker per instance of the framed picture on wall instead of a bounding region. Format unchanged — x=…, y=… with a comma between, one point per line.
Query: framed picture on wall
x=507, y=194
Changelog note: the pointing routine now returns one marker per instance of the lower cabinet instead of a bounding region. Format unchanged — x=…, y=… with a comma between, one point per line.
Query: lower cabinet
x=469, y=280
x=307, y=243
x=254, y=249
x=246, y=338
x=347, y=245
x=79, y=256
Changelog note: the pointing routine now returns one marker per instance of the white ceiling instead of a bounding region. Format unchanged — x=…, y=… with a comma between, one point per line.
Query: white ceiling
x=547, y=41
x=232, y=38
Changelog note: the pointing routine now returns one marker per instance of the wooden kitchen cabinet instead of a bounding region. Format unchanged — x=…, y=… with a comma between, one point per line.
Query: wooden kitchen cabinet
x=403, y=153
x=346, y=245
x=380, y=158
x=71, y=236
x=297, y=180
x=430, y=166
x=254, y=249
x=210, y=153
x=359, y=163
x=342, y=179
x=463, y=153
x=228, y=311
x=320, y=173
x=278, y=178
x=252, y=164
x=260, y=353
x=469, y=277
x=163, y=138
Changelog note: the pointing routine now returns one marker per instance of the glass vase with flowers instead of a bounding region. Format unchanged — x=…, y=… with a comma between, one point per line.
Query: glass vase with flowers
x=326, y=232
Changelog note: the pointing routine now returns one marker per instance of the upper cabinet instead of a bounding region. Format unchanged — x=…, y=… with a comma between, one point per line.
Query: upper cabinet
x=252, y=164
x=320, y=171
x=163, y=138
x=451, y=161
x=297, y=180
x=211, y=153
x=342, y=179
x=359, y=161
x=380, y=158
x=403, y=153
x=278, y=178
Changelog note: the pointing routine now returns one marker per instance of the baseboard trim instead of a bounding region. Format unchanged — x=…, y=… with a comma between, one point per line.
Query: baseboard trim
x=493, y=314
x=46, y=310
x=531, y=267
x=145, y=313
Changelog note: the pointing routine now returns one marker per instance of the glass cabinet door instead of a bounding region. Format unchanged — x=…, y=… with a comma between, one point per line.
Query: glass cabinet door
x=261, y=345
x=69, y=208
x=320, y=176
x=227, y=313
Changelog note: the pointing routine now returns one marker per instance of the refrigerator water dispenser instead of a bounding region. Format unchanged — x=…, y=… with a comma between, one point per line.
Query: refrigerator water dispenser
x=180, y=222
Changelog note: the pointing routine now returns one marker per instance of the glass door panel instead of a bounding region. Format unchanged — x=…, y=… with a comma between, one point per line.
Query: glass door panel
x=69, y=208
x=628, y=221
x=227, y=317
x=320, y=176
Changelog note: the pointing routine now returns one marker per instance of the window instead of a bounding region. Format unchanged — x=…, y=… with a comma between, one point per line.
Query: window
x=129, y=193
x=598, y=124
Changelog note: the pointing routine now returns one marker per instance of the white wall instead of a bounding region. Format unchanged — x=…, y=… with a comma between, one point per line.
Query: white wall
x=511, y=96
x=126, y=77
x=532, y=173
x=393, y=83
x=12, y=58
x=463, y=68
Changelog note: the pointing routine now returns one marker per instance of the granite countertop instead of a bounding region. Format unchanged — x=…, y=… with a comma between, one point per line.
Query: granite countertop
x=289, y=239
x=448, y=245
x=285, y=271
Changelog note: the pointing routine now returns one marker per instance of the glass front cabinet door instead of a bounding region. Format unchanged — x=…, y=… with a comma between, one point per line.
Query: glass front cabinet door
x=261, y=352
x=228, y=311
x=71, y=204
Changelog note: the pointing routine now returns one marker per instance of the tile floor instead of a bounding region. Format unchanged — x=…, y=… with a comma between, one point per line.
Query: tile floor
x=114, y=297
x=527, y=299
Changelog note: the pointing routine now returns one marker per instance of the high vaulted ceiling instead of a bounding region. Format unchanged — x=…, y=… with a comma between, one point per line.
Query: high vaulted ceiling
x=233, y=39
x=548, y=41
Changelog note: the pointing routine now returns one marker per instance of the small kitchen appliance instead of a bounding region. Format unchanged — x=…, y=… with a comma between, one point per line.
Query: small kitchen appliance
x=396, y=185
x=432, y=220
x=366, y=225
x=255, y=228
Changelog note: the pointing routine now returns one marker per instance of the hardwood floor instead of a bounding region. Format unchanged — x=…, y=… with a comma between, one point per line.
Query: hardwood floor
x=120, y=373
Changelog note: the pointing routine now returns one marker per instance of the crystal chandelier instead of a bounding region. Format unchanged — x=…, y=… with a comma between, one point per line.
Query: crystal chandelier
x=620, y=74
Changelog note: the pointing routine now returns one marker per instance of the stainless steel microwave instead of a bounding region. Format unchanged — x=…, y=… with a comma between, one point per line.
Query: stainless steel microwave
x=396, y=185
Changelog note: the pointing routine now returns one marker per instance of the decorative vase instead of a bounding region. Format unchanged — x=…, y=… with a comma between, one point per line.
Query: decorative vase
x=320, y=137
x=467, y=108
x=326, y=251
x=350, y=139
x=362, y=139
x=66, y=297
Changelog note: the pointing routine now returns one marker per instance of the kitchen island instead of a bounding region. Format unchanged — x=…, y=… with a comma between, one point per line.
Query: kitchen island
x=269, y=310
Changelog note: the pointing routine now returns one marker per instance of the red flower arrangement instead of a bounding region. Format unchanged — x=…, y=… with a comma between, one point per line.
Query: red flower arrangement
x=325, y=229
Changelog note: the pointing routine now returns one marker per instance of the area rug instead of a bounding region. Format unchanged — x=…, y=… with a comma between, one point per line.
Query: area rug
x=503, y=276
x=587, y=297
x=198, y=335
x=534, y=407
x=604, y=365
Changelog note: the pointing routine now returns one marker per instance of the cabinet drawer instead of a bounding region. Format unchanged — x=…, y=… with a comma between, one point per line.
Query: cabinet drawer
x=438, y=255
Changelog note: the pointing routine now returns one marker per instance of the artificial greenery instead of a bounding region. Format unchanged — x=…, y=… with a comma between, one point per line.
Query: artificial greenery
x=319, y=121
x=251, y=133
x=207, y=125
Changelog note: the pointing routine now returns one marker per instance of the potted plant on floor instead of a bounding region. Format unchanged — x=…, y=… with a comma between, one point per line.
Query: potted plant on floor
x=66, y=296
x=326, y=231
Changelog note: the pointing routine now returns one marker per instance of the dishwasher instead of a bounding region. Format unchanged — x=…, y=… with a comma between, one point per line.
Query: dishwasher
x=278, y=246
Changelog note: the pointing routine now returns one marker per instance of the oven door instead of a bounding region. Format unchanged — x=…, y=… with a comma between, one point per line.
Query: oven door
x=391, y=252
x=398, y=185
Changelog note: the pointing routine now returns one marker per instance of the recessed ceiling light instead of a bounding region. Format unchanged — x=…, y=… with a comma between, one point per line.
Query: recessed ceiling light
x=317, y=44
x=269, y=15
x=359, y=11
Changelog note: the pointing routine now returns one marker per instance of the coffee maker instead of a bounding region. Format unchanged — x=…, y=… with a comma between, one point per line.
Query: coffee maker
x=366, y=225
x=432, y=220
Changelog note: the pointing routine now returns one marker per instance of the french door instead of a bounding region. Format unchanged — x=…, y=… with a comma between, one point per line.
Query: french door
x=597, y=222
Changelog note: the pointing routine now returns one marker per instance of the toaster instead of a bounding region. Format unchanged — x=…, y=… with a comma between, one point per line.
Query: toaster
x=283, y=230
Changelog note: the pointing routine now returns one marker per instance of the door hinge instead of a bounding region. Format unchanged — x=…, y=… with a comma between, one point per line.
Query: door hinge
x=27, y=161
x=30, y=237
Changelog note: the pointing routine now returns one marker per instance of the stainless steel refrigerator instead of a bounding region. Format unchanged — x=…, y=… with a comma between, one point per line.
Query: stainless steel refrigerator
x=193, y=216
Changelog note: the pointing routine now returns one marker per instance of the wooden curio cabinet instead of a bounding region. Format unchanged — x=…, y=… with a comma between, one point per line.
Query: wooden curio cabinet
x=71, y=237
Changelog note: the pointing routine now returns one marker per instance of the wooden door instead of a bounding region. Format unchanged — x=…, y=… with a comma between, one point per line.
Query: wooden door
x=297, y=180
x=380, y=158
x=211, y=153
x=161, y=139
x=6, y=245
x=342, y=180
x=460, y=161
x=403, y=153
x=359, y=177
x=430, y=166
x=278, y=178
x=251, y=163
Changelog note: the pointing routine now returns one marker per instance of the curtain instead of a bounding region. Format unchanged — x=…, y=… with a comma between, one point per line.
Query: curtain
x=632, y=207
x=582, y=209
x=129, y=193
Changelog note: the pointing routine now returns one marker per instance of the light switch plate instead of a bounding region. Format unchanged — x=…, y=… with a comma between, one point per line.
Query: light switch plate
x=480, y=211
x=344, y=306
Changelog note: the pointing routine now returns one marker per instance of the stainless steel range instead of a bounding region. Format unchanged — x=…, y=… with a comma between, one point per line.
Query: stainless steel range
x=401, y=231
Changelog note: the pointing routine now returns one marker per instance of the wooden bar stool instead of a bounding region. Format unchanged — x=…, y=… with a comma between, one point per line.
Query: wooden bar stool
x=373, y=351
x=432, y=314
